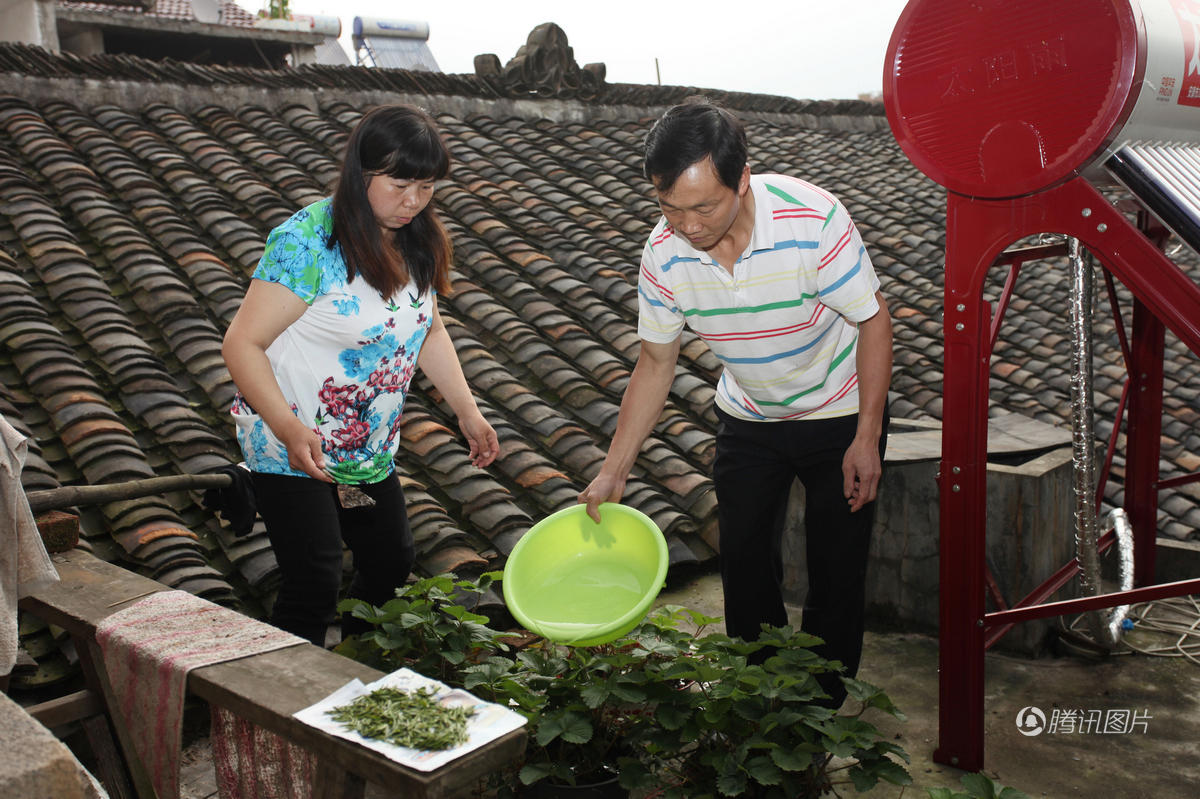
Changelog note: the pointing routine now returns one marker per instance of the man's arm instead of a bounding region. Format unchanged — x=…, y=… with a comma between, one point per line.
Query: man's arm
x=861, y=467
x=640, y=408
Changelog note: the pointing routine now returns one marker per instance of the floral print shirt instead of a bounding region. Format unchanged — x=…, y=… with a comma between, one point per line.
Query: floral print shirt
x=345, y=365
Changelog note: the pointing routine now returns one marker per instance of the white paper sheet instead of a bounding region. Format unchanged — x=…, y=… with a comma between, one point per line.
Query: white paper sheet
x=490, y=721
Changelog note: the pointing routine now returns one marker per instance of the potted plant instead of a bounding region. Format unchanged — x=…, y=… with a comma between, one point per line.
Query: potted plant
x=578, y=732
x=427, y=628
x=724, y=726
x=665, y=712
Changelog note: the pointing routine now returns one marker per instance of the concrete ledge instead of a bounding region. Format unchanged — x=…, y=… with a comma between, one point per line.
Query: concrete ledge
x=1030, y=532
x=35, y=763
x=188, y=98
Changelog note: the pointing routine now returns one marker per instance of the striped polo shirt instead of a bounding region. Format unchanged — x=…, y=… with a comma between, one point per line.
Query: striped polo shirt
x=784, y=323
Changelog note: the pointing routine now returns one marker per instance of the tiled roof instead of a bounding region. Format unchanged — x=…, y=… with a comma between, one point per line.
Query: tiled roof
x=231, y=13
x=128, y=232
x=36, y=62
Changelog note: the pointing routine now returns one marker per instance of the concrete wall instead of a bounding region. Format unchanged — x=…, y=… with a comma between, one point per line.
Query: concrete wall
x=29, y=21
x=1030, y=535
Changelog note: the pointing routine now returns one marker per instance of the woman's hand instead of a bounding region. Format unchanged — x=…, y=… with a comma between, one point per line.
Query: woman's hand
x=268, y=310
x=485, y=446
x=304, y=450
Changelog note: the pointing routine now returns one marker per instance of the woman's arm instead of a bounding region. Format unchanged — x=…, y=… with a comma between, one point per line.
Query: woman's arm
x=267, y=310
x=439, y=361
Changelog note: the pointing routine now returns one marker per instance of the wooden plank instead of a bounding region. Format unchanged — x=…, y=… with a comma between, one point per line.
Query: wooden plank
x=110, y=767
x=88, y=592
x=65, y=709
x=334, y=783
x=111, y=770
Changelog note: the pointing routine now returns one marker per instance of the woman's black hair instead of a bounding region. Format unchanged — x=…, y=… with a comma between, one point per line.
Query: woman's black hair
x=397, y=141
x=690, y=132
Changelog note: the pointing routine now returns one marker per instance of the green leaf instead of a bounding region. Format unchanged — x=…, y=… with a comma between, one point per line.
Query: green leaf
x=629, y=693
x=732, y=784
x=763, y=770
x=979, y=786
x=893, y=772
x=1013, y=793
x=532, y=772
x=594, y=695
x=671, y=717
x=657, y=646
x=571, y=727
x=837, y=748
x=462, y=614
x=750, y=709
x=410, y=620
x=862, y=779
x=791, y=760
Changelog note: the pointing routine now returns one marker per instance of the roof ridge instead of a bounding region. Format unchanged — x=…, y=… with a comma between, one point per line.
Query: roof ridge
x=36, y=61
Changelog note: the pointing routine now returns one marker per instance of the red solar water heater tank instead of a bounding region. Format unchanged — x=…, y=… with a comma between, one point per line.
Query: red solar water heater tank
x=1004, y=98
x=1023, y=110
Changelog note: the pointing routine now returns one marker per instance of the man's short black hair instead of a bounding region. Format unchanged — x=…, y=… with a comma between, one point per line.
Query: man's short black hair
x=690, y=132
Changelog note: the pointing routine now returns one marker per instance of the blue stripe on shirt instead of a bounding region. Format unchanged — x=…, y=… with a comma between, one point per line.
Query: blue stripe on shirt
x=656, y=303
x=781, y=355
x=666, y=267
x=842, y=280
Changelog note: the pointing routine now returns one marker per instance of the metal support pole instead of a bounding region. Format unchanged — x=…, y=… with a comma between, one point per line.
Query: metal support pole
x=1144, y=436
x=963, y=492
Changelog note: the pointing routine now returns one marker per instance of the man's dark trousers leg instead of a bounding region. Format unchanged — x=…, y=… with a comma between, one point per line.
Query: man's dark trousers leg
x=755, y=465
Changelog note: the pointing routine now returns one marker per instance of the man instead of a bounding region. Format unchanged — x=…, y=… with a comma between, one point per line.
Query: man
x=771, y=273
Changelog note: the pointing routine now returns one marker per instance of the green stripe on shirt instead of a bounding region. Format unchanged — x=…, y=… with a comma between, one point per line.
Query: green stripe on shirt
x=841, y=356
x=771, y=306
x=829, y=218
x=778, y=192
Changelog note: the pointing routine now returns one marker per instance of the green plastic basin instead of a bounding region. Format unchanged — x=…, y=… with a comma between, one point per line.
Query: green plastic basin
x=576, y=582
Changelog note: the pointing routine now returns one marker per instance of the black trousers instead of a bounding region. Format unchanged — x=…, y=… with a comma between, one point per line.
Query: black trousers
x=307, y=528
x=755, y=465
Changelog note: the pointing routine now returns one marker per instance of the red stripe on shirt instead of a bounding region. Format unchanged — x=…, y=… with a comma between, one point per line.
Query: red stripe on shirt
x=797, y=213
x=837, y=248
x=661, y=288
x=667, y=233
x=815, y=189
x=750, y=335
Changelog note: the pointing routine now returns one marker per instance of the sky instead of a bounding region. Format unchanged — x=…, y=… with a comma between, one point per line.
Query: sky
x=807, y=49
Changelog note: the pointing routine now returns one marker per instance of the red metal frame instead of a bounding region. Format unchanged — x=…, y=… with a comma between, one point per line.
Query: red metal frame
x=977, y=232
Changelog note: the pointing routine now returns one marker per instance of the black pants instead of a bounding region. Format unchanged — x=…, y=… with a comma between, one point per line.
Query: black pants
x=755, y=465
x=307, y=527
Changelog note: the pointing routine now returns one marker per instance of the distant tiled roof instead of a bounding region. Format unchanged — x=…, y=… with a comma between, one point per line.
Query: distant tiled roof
x=231, y=13
x=36, y=62
x=128, y=232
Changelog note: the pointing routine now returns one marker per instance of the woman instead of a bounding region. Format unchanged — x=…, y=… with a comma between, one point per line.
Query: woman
x=339, y=313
